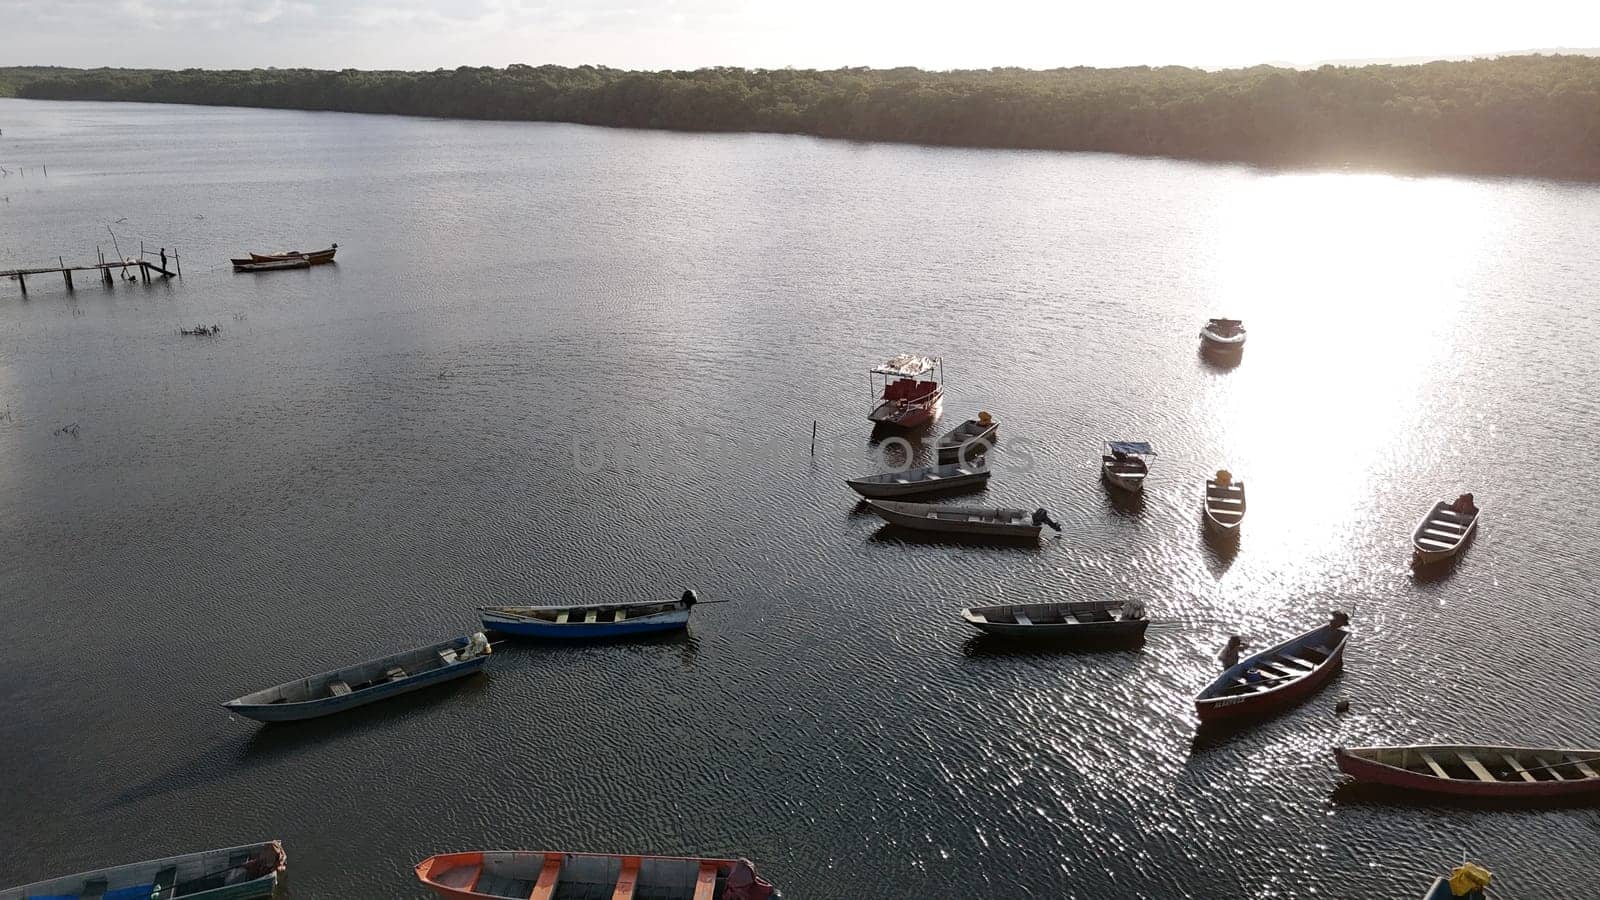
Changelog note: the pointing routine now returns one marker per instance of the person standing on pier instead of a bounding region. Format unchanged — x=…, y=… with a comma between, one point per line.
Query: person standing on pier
x=163, y=260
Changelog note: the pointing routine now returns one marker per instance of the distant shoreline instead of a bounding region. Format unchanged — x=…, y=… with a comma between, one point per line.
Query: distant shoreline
x=1521, y=116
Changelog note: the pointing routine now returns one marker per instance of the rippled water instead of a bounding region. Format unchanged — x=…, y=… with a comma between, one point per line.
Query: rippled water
x=562, y=362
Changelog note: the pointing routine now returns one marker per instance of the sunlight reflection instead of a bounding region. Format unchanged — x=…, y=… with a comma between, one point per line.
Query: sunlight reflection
x=1350, y=286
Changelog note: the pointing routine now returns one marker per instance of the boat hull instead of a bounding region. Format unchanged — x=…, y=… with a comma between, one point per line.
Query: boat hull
x=137, y=879
x=327, y=706
x=584, y=630
x=1426, y=549
x=542, y=874
x=951, y=449
x=896, y=414
x=1371, y=771
x=1213, y=706
x=1082, y=636
x=891, y=489
x=954, y=526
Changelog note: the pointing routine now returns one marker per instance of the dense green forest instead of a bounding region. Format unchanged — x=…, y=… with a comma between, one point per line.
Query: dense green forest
x=1527, y=115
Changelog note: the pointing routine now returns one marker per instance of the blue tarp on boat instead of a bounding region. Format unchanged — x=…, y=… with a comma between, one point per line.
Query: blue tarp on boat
x=1141, y=448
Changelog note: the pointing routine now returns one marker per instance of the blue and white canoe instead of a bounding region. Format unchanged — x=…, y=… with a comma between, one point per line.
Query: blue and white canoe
x=368, y=682
x=593, y=620
x=234, y=873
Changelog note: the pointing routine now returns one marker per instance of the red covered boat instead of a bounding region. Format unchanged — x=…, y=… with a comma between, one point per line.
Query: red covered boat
x=1476, y=770
x=911, y=396
x=546, y=874
x=1277, y=677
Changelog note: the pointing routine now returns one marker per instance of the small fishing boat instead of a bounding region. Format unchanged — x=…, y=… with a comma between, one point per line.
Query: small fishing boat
x=1222, y=334
x=272, y=265
x=233, y=873
x=315, y=257
x=1124, y=464
x=1088, y=624
x=203, y=330
x=911, y=397
x=1277, y=677
x=1224, y=504
x=969, y=440
x=368, y=682
x=1467, y=881
x=548, y=874
x=993, y=521
x=593, y=620
x=1476, y=770
x=1445, y=530
x=923, y=480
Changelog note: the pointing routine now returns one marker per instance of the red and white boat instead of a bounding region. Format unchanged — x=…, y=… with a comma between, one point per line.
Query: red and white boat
x=545, y=874
x=911, y=395
x=1463, y=770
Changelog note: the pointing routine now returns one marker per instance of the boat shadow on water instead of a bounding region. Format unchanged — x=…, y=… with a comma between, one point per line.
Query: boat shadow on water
x=1220, y=551
x=1124, y=503
x=988, y=646
x=1433, y=573
x=1353, y=793
x=897, y=534
x=1220, y=360
x=1210, y=737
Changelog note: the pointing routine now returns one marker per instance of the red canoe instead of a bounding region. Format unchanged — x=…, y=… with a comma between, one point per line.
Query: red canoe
x=1277, y=677
x=1476, y=771
x=540, y=874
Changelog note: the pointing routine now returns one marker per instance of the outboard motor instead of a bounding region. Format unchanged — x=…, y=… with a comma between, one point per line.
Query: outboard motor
x=1041, y=516
x=690, y=598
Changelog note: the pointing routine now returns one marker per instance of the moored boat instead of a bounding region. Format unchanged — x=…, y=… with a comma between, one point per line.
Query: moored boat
x=1447, y=528
x=368, y=682
x=1475, y=770
x=1223, y=334
x=1224, y=504
x=314, y=257
x=1467, y=881
x=1126, y=464
x=590, y=620
x=272, y=265
x=991, y=521
x=548, y=874
x=923, y=480
x=232, y=873
x=911, y=396
x=969, y=440
x=1277, y=677
x=1085, y=624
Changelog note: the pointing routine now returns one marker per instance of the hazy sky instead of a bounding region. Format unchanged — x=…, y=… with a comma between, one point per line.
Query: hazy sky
x=655, y=34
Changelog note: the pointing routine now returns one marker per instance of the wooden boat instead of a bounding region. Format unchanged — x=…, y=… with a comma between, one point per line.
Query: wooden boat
x=315, y=257
x=969, y=440
x=1223, y=334
x=1467, y=881
x=1476, y=770
x=368, y=682
x=594, y=620
x=1224, y=504
x=1445, y=530
x=272, y=265
x=924, y=480
x=1088, y=624
x=1125, y=464
x=233, y=873
x=979, y=520
x=548, y=874
x=911, y=397
x=1277, y=677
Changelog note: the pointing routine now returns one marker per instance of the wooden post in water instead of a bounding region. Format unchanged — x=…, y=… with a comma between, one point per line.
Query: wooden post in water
x=177, y=262
x=22, y=282
x=66, y=273
x=105, y=274
x=813, y=437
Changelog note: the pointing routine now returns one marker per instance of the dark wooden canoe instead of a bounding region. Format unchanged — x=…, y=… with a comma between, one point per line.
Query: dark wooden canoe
x=1277, y=677
x=1083, y=625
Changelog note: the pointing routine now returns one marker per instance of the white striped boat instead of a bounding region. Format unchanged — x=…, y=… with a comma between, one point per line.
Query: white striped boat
x=232, y=873
x=1446, y=529
x=923, y=480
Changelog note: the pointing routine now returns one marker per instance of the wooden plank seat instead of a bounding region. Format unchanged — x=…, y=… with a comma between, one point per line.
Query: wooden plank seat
x=1550, y=767
x=1433, y=764
x=705, y=884
x=1305, y=663
x=396, y=673
x=1022, y=619
x=338, y=688
x=163, y=888
x=448, y=657
x=1517, y=767
x=1477, y=768
x=545, y=887
x=627, y=880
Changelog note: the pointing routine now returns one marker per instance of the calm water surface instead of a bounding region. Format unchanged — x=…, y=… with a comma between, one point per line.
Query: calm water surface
x=558, y=362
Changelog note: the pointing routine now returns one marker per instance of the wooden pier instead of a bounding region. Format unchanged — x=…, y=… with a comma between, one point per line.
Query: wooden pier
x=144, y=266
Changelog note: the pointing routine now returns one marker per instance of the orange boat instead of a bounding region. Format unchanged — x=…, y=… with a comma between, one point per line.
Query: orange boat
x=540, y=874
